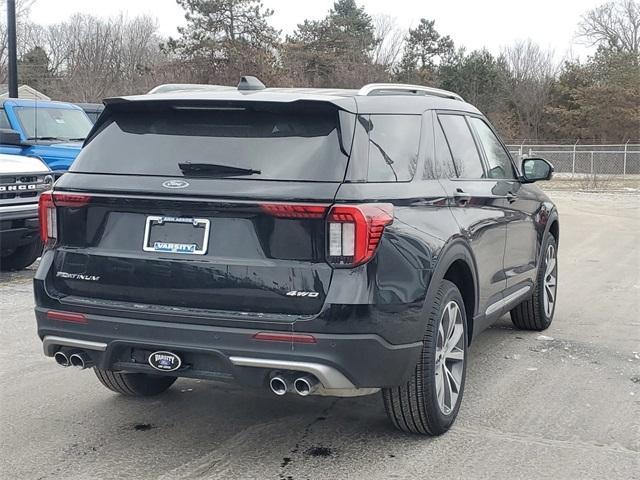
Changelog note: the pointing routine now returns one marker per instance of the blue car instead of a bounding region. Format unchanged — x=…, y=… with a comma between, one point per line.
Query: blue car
x=51, y=131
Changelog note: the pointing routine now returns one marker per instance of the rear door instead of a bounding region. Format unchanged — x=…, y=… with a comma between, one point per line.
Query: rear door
x=476, y=204
x=201, y=210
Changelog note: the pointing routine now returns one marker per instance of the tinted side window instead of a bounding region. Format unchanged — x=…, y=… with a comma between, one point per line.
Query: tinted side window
x=442, y=166
x=463, y=147
x=497, y=158
x=393, y=147
x=4, y=121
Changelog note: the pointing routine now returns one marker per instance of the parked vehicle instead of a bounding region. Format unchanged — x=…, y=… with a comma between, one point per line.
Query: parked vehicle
x=22, y=179
x=51, y=131
x=93, y=110
x=332, y=242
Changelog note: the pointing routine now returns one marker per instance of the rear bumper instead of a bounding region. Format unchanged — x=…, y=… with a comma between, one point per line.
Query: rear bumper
x=339, y=361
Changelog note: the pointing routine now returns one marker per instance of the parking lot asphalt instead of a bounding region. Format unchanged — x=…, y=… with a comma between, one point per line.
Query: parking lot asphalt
x=564, y=405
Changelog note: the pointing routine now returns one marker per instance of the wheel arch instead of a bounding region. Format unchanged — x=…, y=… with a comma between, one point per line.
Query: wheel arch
x=552, y=226
x=456, y=264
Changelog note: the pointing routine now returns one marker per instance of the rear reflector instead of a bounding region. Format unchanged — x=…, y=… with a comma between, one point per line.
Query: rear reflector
x=284, y=337
x=66, y=316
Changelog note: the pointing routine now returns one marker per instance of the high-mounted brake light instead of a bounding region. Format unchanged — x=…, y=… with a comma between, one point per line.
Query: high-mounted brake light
x=47, y=215
x=354, y=232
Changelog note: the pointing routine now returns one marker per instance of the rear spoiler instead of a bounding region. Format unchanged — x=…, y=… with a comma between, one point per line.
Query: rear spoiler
x=156, y=102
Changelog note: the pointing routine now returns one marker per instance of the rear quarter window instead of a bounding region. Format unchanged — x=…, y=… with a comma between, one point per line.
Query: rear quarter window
x=393, y=146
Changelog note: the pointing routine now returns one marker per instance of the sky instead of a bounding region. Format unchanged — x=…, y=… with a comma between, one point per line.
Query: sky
x=474, y=24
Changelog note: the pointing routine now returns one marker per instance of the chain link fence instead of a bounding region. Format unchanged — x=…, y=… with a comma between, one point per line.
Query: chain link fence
x=589, y=166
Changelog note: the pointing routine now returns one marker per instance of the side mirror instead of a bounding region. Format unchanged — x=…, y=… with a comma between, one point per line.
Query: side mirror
x=535, y=169
x=10, y=137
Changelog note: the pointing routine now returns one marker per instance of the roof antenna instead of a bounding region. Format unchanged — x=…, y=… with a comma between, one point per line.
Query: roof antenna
x=247, y=82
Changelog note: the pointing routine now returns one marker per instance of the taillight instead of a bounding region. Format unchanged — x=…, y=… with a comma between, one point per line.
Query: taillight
x=47, y=218
x=70, y=199
x=294, y=210
x=354, y=232
x=47, y=215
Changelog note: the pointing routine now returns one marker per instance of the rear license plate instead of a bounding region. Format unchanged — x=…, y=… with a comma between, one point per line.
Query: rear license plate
x=188, y=236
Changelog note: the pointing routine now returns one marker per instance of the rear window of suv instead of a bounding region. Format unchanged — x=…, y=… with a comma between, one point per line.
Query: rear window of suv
x=270, y=141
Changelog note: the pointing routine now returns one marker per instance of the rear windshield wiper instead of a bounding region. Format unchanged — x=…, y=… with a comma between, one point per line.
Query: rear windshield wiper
x=77, y=139
x=214, y=169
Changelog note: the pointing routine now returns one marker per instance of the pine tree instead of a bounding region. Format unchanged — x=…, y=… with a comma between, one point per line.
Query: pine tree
x=226, y=38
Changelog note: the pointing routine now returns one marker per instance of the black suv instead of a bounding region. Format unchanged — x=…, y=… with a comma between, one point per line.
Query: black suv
x=312, y=241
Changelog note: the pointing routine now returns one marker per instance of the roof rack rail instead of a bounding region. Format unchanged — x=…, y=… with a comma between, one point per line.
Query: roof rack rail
x=187, y=87
x=399, y=88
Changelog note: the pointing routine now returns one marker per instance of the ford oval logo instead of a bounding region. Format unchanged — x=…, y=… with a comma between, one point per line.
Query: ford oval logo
x=175, y=184
x=165, y=361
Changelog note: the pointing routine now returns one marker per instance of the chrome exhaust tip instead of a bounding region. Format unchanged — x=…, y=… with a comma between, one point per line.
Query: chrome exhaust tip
x=80, y=360
x=61, y=359
x=306, y=385
x=280, y=385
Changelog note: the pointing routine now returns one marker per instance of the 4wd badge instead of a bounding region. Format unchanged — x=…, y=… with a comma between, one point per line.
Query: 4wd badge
x=298, y=293
x=165, y=361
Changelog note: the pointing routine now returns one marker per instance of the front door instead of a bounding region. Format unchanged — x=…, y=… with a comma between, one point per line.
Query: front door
x=476, y=207
x=520, y=205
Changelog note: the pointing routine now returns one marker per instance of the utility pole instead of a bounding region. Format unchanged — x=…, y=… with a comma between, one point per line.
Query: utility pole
x=13, y=58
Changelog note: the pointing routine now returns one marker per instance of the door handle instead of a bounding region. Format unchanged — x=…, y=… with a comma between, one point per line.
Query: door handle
x=461, y=197
x=512, y=197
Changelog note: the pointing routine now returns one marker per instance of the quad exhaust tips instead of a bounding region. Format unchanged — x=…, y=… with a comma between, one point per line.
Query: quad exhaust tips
x=69, y=358
x=283, y=383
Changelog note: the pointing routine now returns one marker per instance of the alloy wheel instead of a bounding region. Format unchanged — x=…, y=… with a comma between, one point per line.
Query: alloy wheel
x=550, y=281
x=449, y=365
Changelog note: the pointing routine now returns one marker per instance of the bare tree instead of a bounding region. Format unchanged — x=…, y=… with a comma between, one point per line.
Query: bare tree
x=614, y=25
x=389, y=41
x=101, y=57
x=531, y=74
x=23, y=8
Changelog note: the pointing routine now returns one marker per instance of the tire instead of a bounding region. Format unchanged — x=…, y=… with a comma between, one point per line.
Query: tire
x=415, y=406
x=22, y=256
x=134, y=384
x=535, y=313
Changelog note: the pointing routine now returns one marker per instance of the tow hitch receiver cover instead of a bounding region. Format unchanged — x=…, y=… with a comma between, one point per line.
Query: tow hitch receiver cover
x=165, y=361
